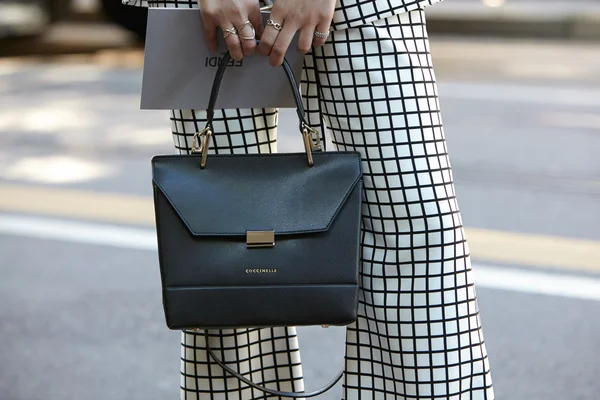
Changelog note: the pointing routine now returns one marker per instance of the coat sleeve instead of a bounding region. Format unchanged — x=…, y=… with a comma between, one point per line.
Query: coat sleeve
x=136, y=3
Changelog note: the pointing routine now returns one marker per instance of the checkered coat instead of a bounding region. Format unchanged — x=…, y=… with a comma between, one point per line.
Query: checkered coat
x=348, y=13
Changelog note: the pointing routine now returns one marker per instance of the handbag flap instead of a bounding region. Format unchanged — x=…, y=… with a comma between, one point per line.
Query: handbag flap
x=239, y=193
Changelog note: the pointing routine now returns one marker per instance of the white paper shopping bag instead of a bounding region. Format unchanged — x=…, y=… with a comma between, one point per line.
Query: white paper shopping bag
x=179, y=69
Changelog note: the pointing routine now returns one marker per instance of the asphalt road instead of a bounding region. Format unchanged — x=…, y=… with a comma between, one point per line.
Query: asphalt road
x=84, y=320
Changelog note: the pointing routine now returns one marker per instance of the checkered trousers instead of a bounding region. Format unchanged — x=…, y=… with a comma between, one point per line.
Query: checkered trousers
x=418, y=335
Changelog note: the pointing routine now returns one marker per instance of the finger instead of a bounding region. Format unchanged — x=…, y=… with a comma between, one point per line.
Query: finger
x=247, y=36
x=281, y=45
x=321, y=33
x=305, y=40
x=256, y=18
x=233, y=43
x=269, y=36
x=210, y=33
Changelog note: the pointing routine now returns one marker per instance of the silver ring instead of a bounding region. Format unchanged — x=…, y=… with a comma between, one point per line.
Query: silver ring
x=321, y=35
x=253, y=36
x=274, y=24
x=229, y=31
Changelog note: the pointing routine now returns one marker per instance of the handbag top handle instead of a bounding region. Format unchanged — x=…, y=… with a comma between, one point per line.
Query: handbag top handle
x=219, y=78
x=311, y=137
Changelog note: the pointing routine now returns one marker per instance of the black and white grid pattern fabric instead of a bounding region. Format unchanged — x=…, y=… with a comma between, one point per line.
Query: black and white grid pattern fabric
x=418, y=335
x=348, y=13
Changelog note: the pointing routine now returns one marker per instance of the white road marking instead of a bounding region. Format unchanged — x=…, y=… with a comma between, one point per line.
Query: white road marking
x=78, y=232
x=502, y=278
x=537, y=282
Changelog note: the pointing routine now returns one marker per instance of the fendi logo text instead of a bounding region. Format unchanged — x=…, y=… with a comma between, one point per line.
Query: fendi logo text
x=216, y=61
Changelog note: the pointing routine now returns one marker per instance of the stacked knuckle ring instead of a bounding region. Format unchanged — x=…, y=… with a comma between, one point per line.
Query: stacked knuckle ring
x=321, y=35
x=251, y=37
x=276, y=25
x=229, y=31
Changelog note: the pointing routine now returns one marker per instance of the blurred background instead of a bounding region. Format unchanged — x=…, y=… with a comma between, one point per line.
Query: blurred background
x=80, y=308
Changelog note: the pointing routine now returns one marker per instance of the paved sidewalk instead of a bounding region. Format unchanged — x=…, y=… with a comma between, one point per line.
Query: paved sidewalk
x=572, y=19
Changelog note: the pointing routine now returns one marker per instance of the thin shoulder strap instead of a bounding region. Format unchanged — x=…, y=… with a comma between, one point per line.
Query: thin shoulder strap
x=267, y=390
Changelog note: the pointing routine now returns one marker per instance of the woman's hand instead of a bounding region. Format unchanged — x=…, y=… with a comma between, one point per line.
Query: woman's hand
x=304, y=16
x=232, y=15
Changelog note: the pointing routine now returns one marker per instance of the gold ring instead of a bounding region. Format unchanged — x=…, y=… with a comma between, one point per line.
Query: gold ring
x=275, y=25
x=229, y=31
x=253, y=36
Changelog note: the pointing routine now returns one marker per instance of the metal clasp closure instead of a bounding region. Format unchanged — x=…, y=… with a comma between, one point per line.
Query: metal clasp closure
x=255, y=239
x=200, y=144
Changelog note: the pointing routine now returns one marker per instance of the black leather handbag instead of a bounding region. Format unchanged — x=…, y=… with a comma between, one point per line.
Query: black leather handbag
x=258, y=240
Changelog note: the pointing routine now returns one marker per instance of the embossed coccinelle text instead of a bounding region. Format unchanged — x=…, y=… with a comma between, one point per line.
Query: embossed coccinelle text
x=261, y=270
